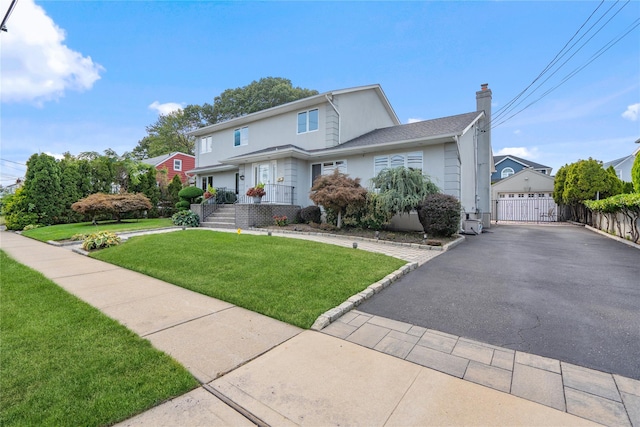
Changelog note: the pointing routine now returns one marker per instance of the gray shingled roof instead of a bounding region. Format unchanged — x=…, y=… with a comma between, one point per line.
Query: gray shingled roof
x=498, y=159
x=153, y=161
x=616, y=162
x=425, y=129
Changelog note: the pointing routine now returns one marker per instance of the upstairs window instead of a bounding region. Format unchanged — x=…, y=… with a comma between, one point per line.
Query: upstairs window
x=177, y=165
x=506, y=172
x=308, y=121
x=206, y=144
x=241, y=136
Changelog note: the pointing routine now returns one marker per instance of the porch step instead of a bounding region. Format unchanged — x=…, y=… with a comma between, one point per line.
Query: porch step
x=223, y=217
x=211, y=224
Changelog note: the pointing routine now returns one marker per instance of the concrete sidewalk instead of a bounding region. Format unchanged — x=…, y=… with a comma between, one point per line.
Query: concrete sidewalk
x=255, y=369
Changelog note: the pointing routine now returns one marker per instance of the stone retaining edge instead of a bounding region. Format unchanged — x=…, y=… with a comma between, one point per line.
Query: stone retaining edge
x=335, y=313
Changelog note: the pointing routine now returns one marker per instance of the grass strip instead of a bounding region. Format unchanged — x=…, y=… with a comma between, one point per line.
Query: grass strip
x=63, y=363
x=65, y=231
x=288, y=279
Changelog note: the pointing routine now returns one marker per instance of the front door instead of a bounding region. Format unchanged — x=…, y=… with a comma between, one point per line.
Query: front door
x=264, y=173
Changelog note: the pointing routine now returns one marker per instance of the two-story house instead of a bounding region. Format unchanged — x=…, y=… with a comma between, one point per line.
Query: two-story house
x=355, y=131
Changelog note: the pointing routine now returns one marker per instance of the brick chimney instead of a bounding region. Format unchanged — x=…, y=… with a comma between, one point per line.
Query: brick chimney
x=483, y=165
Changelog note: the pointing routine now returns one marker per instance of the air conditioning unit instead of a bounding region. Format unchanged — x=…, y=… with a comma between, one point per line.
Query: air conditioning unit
x=472, y=226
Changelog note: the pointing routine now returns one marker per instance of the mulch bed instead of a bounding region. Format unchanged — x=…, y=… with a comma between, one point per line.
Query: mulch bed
x=389, y=235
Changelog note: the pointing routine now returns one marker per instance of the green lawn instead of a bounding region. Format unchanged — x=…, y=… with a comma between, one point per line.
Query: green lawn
x=65, y=231
x=63, y=362
x=288, y=279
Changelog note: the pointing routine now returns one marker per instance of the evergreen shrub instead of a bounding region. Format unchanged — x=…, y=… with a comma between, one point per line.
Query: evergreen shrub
x=439, y=215
x=310, y=214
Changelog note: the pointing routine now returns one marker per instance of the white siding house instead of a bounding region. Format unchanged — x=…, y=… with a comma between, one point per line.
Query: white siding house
x=355, y=131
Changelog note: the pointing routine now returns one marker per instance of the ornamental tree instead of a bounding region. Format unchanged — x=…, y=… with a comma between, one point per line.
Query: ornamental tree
x=336, y=192
x=401, y=189
x=111, y=204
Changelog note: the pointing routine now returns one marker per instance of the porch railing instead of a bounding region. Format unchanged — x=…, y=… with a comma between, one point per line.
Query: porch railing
x=223, y=196
x=275, y=194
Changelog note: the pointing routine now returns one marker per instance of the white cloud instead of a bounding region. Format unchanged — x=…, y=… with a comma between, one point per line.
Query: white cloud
x=632, y=112
x=414, y=120
x=517, y=132
x=54, y=155
x=166, y=108
x=36, y=65
x=524, y=152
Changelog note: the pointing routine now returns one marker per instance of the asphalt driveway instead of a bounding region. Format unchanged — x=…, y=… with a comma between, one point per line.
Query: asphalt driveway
x=557, y=291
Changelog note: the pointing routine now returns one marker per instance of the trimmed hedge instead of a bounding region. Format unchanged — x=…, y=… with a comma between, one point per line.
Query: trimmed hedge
x=310, y=214
x=439, y=214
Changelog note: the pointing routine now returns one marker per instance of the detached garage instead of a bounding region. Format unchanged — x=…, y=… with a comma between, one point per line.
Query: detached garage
x=526, y=196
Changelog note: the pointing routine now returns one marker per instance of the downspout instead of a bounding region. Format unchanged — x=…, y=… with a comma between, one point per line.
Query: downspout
x=475, y=169
x=339, y=119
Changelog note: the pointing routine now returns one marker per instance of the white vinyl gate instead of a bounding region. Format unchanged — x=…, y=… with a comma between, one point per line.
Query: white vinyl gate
x=524, y=209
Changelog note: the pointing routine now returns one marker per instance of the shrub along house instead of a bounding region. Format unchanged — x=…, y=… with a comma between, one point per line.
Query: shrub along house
x=355, y=131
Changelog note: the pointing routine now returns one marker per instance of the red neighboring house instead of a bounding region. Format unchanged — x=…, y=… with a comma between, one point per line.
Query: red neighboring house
x=176, y=164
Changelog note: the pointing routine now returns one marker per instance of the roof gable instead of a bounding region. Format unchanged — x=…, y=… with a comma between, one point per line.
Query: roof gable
x=294, y=106
x=525, y=171
x=523, y=162
x=155, y=161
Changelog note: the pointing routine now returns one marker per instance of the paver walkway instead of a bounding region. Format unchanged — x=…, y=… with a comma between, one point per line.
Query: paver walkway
x=275, y=373
x=597, y=396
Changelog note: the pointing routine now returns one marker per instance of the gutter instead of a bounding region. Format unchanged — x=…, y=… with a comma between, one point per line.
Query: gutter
x=339, y=118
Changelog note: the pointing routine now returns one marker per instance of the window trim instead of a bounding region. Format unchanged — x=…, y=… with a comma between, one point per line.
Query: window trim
x=177, y=165
x=307, y=120
x=409, y=160
x=206, y=144
x=507, y=174
x=241, y=136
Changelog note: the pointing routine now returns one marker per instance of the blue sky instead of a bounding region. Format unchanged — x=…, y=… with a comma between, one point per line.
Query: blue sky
x=90, y=75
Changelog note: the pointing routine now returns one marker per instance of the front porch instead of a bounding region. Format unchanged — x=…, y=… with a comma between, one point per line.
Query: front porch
x=243, y=212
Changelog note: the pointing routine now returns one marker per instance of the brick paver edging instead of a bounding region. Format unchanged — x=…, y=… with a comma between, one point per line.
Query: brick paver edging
x=602, y=397
x=335, y=313
x=442, y=248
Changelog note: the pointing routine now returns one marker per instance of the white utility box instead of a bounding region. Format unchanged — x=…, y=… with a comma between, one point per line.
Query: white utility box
x=472, y=226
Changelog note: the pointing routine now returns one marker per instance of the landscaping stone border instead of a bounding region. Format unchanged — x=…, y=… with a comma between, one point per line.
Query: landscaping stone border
x=335, y=313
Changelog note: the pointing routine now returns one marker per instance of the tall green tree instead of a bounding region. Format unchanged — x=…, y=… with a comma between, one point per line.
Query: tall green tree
x=100, y=170
x=558, y=184
x=42, y=188
x=257, y=96
x=147, y=185
x=71, y=186
x=170, y=131
x=587, y=180
x=635, y=174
